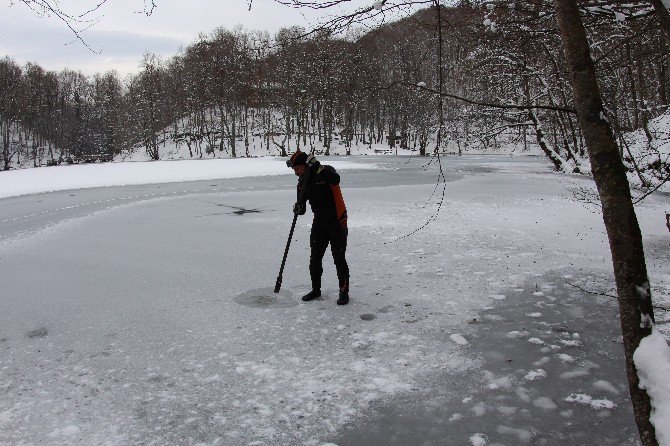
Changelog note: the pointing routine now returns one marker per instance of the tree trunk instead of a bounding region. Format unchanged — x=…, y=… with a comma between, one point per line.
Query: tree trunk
x=633, y=90
x=625, y=238
x=663, y=15
x=664, y=18
x=6, y=157
x=233, y=133
x=542, y=142
x=222, y=126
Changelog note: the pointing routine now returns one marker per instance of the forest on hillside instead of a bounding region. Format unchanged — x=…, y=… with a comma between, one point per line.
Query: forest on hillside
x=475, y=74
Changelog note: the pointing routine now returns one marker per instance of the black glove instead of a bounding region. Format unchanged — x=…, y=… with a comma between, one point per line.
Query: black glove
x=298, y=209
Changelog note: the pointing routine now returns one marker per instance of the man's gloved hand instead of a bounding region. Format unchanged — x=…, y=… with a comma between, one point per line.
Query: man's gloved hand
x=311, y=160
x=298, y=209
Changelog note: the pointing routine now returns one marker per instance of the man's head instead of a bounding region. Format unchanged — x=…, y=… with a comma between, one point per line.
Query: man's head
x=298, y=162
x=299, y=170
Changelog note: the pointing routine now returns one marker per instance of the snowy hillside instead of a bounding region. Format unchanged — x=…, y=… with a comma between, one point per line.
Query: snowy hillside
x=650, y=149
x=191, y=138
x=25, y=148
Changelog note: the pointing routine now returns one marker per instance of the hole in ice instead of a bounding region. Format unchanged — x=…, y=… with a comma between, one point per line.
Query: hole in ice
x=265, y=298
x=37, y=333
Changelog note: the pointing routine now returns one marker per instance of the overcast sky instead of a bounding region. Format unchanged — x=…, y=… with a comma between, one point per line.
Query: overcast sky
x=123, y=33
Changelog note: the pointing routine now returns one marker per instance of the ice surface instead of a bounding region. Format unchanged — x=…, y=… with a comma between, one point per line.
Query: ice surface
x=266, y=298
x=122, y=321
x=522, y=435
x=574, y=374
x=544, y=403
x=601, y=384
x=542, y=361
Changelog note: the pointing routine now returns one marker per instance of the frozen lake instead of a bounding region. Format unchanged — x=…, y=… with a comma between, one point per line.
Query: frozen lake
x=130, y=315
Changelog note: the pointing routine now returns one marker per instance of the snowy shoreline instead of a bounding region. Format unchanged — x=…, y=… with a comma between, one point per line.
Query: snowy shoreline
x=32, y=181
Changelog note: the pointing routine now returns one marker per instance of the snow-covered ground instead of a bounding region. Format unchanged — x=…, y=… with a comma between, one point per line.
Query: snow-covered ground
x=143, y=314
x=650, y=149
x=30, y=181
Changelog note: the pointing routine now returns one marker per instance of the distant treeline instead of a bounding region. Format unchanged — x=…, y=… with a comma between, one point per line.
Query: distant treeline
x=502, y=73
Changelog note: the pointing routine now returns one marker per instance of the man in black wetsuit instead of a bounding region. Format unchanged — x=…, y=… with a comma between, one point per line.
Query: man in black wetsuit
x=322, y=190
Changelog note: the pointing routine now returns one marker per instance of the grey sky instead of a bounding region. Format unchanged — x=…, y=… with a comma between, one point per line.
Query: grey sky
x=123, y=33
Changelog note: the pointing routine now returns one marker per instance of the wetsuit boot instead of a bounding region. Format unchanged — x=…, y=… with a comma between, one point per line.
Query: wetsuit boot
x=344, y=298
x=311, y=295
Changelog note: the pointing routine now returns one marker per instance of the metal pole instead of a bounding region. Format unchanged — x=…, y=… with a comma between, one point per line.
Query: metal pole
x=290, y=235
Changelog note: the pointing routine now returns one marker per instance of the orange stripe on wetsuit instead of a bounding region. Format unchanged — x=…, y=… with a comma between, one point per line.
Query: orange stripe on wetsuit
x=340, y=208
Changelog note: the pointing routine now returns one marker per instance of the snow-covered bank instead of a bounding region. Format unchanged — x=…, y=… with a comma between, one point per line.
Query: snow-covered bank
x=650, y=148
x=652, y=359
x=30, y=181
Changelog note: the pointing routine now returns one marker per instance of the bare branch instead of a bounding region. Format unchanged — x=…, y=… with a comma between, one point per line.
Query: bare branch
x=475, y=101
x=47, y=8
x=656, y=307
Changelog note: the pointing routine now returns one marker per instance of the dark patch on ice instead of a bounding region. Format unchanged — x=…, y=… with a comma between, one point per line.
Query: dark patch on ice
x=385, y=309
x=41, y=332
x=368, y=317
x=157, y=378
x=478, y=169
x=239, y=210
x=266, y=298
x=242, y=211
x=512, y=401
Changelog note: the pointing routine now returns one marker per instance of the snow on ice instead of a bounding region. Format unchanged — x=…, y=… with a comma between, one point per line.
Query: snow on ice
x=565, y=357
x=458, y=339
x=31, y=181
x=535, y=374
x=588, y=400
x=478, y=440
x=515, y=334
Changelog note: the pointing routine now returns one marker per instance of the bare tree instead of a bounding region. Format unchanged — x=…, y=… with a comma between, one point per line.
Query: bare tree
x=630, y=271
